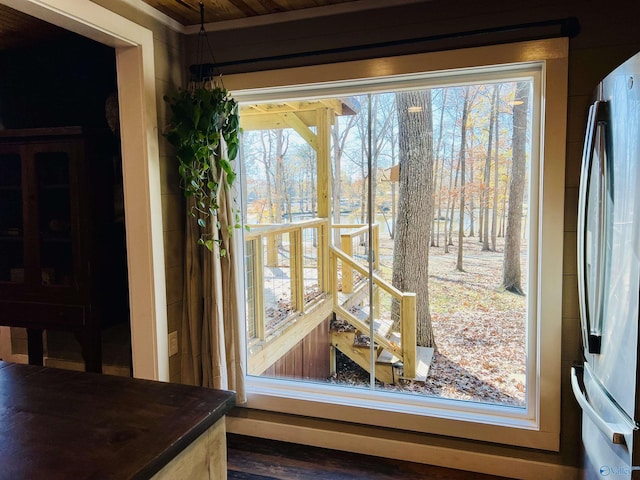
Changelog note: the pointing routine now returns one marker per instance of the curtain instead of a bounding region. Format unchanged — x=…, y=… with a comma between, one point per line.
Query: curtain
x=212, y=326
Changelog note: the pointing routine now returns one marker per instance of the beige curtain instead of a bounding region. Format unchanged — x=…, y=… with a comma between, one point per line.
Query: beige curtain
x=212, y=327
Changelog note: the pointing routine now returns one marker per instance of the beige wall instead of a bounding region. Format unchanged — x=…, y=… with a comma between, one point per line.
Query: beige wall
x=608, y=36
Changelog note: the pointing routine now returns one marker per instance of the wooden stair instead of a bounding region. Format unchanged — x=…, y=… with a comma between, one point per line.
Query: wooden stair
x=388, y=367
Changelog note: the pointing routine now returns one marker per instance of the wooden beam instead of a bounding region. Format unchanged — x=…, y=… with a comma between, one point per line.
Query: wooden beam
x=409, y=338
x=262, y=122
x=295, y=122
x=324, y=120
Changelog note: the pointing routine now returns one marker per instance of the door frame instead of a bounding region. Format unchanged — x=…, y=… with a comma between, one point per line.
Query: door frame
x=141, y=172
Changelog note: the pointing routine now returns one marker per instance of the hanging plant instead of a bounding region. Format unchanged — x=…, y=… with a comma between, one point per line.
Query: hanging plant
x=203, y=122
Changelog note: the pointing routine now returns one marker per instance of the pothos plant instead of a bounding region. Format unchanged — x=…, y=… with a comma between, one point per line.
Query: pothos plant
x=201, y=119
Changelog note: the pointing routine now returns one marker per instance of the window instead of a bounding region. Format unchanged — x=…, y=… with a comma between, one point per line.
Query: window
x=411, y=195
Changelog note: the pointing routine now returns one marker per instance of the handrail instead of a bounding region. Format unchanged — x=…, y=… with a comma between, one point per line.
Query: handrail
x=279, y=228
x=377, y=280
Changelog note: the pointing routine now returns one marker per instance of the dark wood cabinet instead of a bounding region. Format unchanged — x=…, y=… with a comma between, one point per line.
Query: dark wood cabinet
x=57, y=255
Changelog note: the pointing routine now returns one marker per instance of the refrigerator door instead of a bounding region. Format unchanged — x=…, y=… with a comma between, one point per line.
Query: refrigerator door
x=608, y=434
x=617, y=196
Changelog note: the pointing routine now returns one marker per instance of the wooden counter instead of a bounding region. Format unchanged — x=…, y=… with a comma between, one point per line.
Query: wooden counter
x=60, y=424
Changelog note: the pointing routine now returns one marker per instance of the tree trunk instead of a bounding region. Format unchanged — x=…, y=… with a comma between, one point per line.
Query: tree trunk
x=511, y=280
x=411, y=246
x=453, y=200
x=487, y=171
x=496, y=177
x=279, y=183
x=339, y=140
x=463, y=144
x=438, y=160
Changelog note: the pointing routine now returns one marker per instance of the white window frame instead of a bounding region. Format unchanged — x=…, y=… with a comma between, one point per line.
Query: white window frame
x=537, y=426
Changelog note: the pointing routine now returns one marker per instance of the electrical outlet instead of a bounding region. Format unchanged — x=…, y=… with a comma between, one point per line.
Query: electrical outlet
x=173, y=343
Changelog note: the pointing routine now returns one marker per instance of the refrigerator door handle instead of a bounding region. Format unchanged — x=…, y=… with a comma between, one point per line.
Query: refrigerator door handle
x=615, y=432
x=593, y=334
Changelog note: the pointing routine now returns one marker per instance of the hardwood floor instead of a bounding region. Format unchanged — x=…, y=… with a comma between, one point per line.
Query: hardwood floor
x=252, y=458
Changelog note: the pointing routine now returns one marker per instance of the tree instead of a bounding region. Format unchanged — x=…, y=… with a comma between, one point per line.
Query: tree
x=463, y=143
x=339, y=138
x=415, y=205
x=487, y=172
x=435, y=226
x=496, y=189
x=511, y=280
x=280, y=180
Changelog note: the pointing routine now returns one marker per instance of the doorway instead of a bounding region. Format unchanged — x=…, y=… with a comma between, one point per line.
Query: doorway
x=136, y=88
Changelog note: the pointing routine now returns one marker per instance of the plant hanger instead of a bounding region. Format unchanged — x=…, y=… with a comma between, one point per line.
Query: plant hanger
x=204, y=129
x=203, y=75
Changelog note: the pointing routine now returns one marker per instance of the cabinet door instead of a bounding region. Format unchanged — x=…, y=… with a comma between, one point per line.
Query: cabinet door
x=12, y=264
x=55, y=213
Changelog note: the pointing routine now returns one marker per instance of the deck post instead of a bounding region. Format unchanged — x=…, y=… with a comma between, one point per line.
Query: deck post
x=347, y=272
x=297, y=269
x=272, y=250
x=258, y=290
x=324, y=120
x=409, y=334
x=375, y=245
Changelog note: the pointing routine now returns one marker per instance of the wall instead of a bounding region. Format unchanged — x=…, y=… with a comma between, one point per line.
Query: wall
x=608, y=35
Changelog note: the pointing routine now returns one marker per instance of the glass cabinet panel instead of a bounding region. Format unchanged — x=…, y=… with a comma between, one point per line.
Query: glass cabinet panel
x=11, y=223
x=54, y=218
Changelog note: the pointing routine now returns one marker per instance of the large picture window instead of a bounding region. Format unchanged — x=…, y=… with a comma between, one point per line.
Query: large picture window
x=399, y=232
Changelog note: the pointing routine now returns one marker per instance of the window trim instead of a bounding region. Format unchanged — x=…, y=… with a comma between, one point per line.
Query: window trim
x=539, y=427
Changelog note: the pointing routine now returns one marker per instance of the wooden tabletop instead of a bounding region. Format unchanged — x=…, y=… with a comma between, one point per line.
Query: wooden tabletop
x=60, y=424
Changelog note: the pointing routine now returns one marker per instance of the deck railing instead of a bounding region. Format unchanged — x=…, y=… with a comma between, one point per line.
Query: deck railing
x=287, y=271
x=290, y=268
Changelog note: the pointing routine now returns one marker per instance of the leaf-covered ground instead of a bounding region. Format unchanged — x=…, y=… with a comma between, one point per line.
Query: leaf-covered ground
x=479, y=330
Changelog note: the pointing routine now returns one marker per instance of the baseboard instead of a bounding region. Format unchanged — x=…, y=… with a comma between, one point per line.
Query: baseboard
x=434, y=455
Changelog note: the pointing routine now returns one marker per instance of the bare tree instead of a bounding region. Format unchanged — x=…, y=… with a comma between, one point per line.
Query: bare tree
x=415, y=205
x=437, y=169
x=463, y=143
x=496, y=177
x=511, y=280
x=280, y=190
x=339, y=137
x=487, y=171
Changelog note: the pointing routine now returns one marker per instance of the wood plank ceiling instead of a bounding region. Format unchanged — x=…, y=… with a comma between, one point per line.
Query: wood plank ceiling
x=20, y=30
x=187, y=12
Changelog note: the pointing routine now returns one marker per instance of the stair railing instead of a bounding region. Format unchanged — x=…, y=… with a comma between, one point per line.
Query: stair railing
x=406, y=351
x=349, y=243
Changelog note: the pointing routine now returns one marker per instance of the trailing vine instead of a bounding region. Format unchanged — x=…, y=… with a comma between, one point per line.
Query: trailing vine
x=202, y=121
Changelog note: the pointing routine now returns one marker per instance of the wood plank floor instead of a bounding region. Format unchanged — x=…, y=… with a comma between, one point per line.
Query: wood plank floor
x=251, y=458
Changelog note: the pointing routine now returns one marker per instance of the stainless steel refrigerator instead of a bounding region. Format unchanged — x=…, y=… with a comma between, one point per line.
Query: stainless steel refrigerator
x=606, y=385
